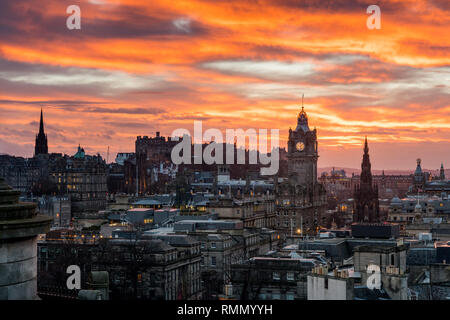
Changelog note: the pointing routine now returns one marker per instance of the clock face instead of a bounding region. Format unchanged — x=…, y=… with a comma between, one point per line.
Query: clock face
x=300, y=146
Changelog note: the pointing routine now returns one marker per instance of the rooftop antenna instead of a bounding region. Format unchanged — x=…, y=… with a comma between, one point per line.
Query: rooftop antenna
x=107, y=156
x=302, y=99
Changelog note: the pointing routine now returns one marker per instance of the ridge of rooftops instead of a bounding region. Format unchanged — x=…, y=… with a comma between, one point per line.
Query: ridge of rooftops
x=193, y=225
x=151, y=209
x=284, y=259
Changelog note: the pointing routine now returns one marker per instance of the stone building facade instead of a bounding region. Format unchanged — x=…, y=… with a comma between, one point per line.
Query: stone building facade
x=253, y=211
x=271, y=278
x=83, y=178
x=150, y=154
x=138, y=269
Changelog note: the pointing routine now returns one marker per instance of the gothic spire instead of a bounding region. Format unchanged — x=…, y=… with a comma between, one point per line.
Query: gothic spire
x=366, y=174
x=366, y=147
x=366, y=205
x=41, y=146
x=41, y=125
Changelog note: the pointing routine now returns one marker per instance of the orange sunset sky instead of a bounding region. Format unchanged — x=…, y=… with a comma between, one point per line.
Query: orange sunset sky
x=140, y=66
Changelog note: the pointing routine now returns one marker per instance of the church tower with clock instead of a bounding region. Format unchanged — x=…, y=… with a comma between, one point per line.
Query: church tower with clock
x=302, y=153
x=301, y=200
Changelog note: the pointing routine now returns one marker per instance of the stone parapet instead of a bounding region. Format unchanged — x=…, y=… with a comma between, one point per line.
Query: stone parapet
x=19, y=226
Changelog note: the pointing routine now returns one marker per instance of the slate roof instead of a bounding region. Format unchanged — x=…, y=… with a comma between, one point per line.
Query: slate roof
x=364, y=293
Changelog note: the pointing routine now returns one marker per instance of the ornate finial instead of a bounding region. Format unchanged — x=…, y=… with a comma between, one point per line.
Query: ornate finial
x=302, y=113
x=302, y=120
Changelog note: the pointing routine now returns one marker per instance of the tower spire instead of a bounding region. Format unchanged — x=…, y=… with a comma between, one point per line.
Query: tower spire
x=366, y=146
x=366, y=174
x=366, y=204
x=303, y=95
x=41, y=146
x=302, y=120
x=41, y=124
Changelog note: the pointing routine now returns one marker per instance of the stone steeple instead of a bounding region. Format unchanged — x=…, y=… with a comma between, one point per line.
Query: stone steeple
x=366, y=203
x=366, y=173
x=442, y=172
x=41, y=146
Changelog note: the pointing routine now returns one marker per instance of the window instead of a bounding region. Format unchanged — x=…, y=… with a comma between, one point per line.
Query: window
x=213, y=261
x=276, y=276
x=326, y=283
x=213, y=245
x=392, y=260
x=290, y=276
x=289, y=296
x=276, y=296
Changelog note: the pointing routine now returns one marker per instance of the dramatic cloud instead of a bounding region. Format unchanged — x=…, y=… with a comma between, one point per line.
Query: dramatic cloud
x=138, y=66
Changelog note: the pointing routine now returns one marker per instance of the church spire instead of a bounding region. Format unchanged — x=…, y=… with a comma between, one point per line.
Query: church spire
x=41, y=125
x=366, y=147
x=366, y=204
x=366, y=174
x=41, y=146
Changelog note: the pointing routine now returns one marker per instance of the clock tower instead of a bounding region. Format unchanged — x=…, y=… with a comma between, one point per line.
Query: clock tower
x=302, y=153
x=301, y=200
